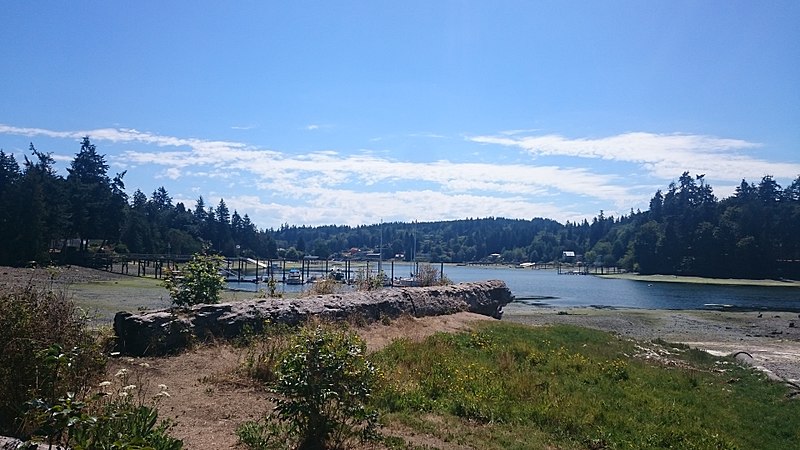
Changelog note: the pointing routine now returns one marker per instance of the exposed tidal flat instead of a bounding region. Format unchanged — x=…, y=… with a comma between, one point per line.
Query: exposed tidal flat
x=723, y=319
x=702, y=280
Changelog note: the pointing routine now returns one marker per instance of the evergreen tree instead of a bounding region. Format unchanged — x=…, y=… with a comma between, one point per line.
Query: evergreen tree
x=94, y=210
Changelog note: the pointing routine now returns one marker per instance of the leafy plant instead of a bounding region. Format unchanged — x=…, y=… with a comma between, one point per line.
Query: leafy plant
x=46, y=351
x=117, y=416
x=324, y=382
x=198, y=281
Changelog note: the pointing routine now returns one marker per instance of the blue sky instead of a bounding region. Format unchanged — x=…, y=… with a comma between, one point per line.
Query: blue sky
x=355, y=112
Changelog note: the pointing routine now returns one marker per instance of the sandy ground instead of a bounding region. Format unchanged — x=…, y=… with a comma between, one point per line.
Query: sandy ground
x=209, y=397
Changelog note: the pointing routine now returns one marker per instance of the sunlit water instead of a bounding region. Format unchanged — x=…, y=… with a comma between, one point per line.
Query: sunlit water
x=539, y=288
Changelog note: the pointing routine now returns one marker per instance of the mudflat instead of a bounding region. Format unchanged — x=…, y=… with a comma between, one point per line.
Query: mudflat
x=209, y=396
x=771, y=337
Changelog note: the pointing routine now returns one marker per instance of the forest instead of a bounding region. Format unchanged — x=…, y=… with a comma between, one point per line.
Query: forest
x=48, y=218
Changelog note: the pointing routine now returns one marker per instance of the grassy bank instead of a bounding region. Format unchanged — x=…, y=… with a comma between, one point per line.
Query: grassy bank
x=511, y=386
x=702, y=280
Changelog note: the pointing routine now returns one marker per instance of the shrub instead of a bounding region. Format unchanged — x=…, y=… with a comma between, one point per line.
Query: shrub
x=366, y=281
x=46, y=351
x=427, y=275
x=199, y=281
x=324, y=381
x=325, y=286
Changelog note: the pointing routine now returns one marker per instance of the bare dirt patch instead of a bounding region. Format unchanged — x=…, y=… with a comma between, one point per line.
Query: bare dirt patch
x=209, y=397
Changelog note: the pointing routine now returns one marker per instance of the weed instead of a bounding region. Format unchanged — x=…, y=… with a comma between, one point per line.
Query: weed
x=262, y=352
x=46, y=351
x=324, y=287
x=121, y=414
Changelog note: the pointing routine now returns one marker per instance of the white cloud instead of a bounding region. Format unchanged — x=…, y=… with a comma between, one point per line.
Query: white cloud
x=663, y=155
x=172, y=173
x=327, y=186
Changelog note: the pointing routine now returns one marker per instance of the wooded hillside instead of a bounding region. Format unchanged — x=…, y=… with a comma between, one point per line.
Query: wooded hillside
x=47, y=217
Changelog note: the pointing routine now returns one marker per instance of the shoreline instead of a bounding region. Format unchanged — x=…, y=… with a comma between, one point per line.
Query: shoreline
x=772, y=338
x=701, y=280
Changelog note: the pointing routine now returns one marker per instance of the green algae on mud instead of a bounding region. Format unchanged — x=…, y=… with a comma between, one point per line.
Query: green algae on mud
x=102, y=299
x=702, y=280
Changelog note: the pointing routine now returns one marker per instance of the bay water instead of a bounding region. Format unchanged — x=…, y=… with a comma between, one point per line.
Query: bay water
x=546, y=288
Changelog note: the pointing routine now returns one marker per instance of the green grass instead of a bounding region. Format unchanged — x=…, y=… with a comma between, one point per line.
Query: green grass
x=511, y=386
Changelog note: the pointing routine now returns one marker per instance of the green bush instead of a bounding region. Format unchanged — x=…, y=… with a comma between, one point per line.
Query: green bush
x=324, y=382
x=198, y=281
x=46, y=351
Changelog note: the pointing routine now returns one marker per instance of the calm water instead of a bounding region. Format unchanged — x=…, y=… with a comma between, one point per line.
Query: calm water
x=546, y=288
x=551, y=289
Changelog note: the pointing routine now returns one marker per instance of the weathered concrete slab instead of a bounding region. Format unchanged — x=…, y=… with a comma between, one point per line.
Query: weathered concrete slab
x=165, y=331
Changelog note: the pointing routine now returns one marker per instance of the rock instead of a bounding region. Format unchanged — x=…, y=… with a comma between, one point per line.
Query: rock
x=166, y=331
x=9, y=443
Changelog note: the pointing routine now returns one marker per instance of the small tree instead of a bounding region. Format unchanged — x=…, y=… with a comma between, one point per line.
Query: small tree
x=199, y=281
x=324, y=382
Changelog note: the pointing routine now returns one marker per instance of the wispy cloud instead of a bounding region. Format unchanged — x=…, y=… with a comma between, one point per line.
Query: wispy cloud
x=329, y=186
x=662, y=155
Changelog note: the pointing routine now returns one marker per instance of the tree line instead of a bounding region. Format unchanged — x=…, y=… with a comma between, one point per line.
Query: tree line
x=46, y=217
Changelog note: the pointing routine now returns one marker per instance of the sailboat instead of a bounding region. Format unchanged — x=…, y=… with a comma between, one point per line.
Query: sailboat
x=410, y=280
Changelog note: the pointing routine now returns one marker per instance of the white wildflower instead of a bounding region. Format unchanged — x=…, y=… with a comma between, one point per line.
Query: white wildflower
x=104, y=384
x=129, y=387
x=121, y=373
x=123, y=394
x=145, y=365
x=163, y=394
x=162, y=387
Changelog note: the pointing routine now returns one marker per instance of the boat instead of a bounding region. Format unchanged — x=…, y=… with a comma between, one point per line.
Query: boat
x=409, y=281
x=294, y=277
x=336, y=274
